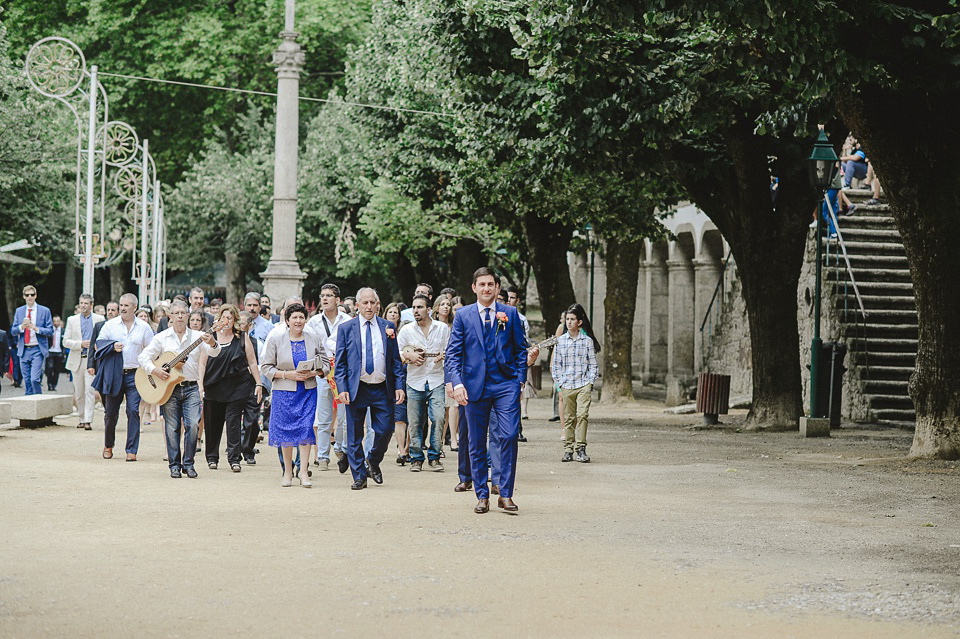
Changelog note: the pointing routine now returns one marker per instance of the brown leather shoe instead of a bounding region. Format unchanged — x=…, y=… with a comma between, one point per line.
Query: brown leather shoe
x=483, y=506
x=495, y=490
x=108, y=453
x=463, y=487
x=131, y=457
x=507, y=504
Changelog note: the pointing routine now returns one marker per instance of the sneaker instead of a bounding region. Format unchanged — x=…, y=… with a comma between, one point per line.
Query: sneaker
x=416, y=466
x=567, y=457
x=872, y=201
x=582, y=456
x=435, y=464
x=324, y=464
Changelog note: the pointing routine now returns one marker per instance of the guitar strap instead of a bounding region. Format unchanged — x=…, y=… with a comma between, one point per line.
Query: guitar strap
x=326, y=326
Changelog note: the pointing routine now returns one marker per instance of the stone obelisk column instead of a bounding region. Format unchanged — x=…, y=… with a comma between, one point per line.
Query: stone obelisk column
x=283, y=277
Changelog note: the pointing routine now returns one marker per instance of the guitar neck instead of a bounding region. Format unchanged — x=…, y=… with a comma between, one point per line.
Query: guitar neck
x=185, y=353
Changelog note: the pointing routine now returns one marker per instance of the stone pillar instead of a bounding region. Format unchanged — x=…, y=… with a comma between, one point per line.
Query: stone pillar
x=680, y=329
x=283, y=277
x=706, y=276
x=640, y=321
x=656, y=311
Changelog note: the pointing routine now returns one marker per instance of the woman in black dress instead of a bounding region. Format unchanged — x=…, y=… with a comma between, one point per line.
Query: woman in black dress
x=226, y=384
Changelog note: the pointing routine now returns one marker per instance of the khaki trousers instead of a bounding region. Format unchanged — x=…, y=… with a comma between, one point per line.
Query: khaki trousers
x=576, y=408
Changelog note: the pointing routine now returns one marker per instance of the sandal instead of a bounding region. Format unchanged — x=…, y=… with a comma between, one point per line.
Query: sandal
x=212, y=465
x=235, y=468
x=108, y=453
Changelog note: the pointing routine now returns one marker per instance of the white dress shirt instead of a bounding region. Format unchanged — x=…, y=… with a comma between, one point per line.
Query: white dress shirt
x=31, y=314
x=320, y=327
x=435, y=341
x=379, y=374
x=168, y=341
x=134, y=340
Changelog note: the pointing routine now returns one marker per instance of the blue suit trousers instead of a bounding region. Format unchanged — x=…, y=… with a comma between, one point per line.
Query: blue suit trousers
x=498, y=408
x=374, y=397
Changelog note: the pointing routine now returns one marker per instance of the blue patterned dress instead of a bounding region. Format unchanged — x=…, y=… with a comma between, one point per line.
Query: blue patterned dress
x=292, y=412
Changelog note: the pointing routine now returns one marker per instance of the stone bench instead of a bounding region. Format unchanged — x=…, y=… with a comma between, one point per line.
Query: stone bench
x=4, y=412
x=34, y=411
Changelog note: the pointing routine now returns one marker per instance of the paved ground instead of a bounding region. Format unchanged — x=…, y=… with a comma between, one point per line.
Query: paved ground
x=671, y=531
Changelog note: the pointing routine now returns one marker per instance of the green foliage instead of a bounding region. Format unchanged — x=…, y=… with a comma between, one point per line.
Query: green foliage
x=224, y=201
x=37, y=165
x=220, y=43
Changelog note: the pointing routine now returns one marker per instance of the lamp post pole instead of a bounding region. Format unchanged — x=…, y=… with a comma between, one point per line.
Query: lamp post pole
x=283, y=278
x=91, y=162
x=823, y=168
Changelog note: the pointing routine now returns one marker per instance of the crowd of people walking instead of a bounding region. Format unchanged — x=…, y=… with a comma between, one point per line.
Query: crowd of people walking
x=350, y=379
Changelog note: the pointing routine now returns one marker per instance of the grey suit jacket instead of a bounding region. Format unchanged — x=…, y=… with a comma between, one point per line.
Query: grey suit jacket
x=277, y=356
x=72, y=337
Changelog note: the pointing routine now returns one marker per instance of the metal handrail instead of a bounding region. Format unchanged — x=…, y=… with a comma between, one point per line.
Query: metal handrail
x=716, y=292
x=846, y=259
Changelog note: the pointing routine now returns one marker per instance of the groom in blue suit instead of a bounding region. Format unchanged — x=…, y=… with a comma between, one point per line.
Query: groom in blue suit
x=486, y=362
x=367, y=370
x=32, y=328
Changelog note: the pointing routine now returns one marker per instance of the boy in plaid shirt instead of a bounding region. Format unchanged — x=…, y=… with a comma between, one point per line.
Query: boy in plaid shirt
x=574, y=369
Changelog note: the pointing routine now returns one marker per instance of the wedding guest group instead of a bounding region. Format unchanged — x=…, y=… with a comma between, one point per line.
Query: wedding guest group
x=343, y=382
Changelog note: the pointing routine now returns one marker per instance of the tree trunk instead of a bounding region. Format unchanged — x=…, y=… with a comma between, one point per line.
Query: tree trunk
x=70, y=296
x=548, y=243
x=469, y=257
x=235, y=279
x=767, y=244
x=619, y=306
x=915, y=152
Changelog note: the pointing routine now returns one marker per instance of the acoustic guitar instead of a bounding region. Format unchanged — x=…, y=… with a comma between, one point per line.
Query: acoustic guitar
x=156, y=391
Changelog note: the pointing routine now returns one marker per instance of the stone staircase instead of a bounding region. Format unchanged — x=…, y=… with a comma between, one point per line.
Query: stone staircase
x=882, y=350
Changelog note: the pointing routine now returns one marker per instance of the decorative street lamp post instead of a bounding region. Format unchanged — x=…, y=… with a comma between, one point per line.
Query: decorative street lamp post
x=283, y=278
x=823, y=169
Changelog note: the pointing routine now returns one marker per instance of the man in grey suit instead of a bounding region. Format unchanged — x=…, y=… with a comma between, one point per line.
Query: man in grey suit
x=77, y=338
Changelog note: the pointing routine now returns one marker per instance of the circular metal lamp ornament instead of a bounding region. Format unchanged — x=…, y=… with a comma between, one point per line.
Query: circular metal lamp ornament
x=129, y=182
x=120, y=145
x=55, y=67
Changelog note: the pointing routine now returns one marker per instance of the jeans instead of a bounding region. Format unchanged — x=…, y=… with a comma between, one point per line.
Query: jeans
x=852, y=170
x=183, y=405
x=423, y=407
x=31, y=365
x=111, y=414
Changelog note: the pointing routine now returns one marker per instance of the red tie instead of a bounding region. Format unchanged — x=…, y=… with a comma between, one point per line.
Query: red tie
x=26, y=333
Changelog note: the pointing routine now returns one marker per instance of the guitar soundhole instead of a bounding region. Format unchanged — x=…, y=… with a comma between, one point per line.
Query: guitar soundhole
x=150, y=379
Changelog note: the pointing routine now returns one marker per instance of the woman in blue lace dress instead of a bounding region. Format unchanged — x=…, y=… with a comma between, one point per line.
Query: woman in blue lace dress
x=294, y=395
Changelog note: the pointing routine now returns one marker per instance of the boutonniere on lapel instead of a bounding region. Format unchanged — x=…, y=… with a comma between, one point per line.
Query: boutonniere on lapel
x=391, y=334
x=501, y=321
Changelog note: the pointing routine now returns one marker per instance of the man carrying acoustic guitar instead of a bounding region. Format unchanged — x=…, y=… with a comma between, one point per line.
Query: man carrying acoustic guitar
x=422, y=344
x=170, y=356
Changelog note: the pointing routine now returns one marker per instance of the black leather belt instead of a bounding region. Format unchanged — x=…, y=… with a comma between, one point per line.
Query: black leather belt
x=187, y=384
x=129, y=370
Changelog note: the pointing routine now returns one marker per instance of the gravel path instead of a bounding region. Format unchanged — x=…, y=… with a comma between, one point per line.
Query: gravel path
x=671, y=531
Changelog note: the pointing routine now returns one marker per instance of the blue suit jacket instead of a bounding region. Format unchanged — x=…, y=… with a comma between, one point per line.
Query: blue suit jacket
x=44, y=323
x=349, y=358
x=466, y=362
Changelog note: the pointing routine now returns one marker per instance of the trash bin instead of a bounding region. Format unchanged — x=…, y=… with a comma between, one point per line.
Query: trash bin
x=830, y=384
x=713, y=396
x=536, y=376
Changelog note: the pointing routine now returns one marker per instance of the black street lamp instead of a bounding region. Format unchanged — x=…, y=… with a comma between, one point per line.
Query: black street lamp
x=823, y=169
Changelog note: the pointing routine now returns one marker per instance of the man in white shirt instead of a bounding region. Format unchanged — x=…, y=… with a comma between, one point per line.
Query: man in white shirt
x=184, y=404
x=77, y=338
x=128, y=337
x=325, y=324
x=406, y=315
x=427, y=341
